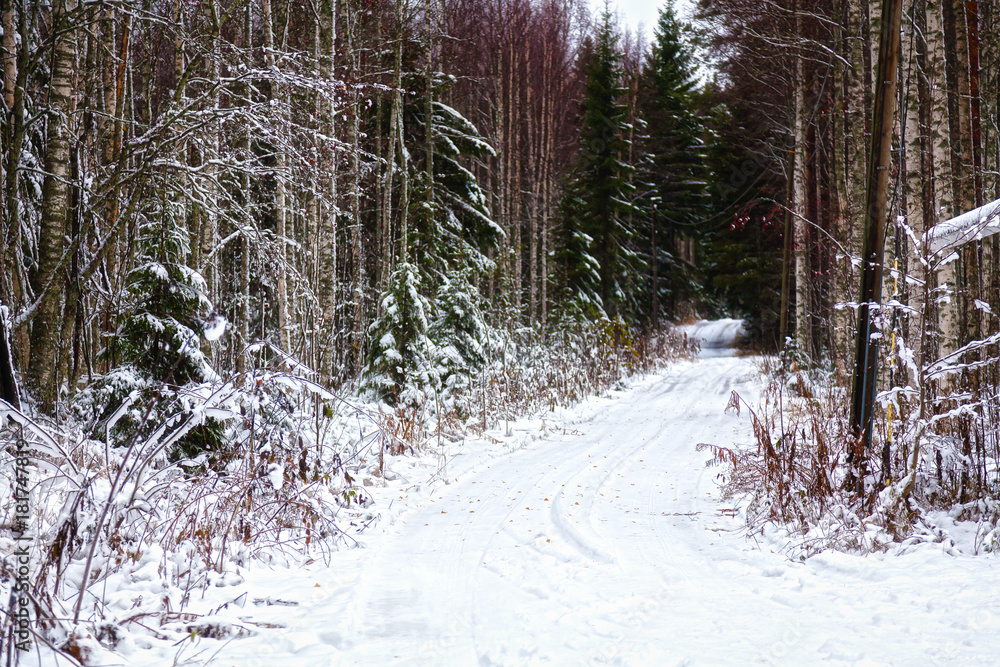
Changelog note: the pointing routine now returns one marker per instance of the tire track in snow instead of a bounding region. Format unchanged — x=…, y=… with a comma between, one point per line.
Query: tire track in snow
x=599, y=611
x=606, y=546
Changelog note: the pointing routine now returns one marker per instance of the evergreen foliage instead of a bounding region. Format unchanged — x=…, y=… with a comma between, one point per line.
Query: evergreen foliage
x=467, y=231
x=431, y=328
x=459, y=332
x=457, y=230
x=159, y=334
x=156, y=350
x=672, y=174
x=742, y=263
x=401, y=358
x=596, y=212
x=578, y=276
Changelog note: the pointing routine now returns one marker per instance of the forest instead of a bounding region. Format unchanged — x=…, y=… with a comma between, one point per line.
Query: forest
x=245, y=240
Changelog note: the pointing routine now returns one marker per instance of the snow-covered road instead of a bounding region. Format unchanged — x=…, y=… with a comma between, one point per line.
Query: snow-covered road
x=603, y=541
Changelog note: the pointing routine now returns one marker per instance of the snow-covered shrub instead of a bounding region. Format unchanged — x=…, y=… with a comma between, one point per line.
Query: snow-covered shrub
x=462, y=339
x=809, y=474
x=794, y=474
x=104, y=516
x=577, y=359
x=155, y=352
x=401, y=359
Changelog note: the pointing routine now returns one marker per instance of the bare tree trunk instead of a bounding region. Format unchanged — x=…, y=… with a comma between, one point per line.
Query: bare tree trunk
x=548, y=148
x=9, y=53
x=328, y=237
x=14, y=269
x=943, y=197
x=8, y=386
x=383, y=195
x=8, y=383
x=9, y=223
x=241, y=316
x=209, y=235
x=914, y=159
x=404, y=163
x=974, y=252
x=913, y=137
x=386, y=209
x=280, y=210
x=534, y=162
x=839, y=203
x=801, y=248
x=358, y=268
x=46, y=282
x=957, y=77
x=504, y=160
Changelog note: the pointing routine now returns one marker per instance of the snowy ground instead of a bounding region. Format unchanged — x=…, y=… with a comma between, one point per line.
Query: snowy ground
x=595, y=537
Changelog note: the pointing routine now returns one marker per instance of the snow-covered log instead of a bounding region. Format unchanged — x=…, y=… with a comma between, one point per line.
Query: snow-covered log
x=975, y=225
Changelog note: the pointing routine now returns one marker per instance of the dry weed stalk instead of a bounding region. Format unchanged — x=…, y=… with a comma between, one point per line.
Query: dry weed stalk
x=100, y=511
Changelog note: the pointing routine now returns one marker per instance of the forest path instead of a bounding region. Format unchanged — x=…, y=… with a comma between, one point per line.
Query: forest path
x=604, y=542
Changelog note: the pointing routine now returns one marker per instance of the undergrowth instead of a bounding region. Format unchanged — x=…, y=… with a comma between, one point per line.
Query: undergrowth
x=808, y=480
x=572, y=364
x=207, y=477
x=106, y=512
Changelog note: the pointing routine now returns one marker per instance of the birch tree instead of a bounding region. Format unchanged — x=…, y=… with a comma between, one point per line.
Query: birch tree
x=47, y=281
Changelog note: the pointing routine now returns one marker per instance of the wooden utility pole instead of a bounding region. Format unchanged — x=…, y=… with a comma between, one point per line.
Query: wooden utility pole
x=876, y=204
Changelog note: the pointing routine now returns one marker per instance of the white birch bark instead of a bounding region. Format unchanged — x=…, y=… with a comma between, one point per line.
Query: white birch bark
x=943, y=202
x=357, y=260
x=9, y=54
x=46, y=282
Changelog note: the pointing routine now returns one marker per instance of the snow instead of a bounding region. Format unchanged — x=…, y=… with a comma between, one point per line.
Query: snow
x=214, y=327
x=276, y=475
x=590, y=536
x=716, y=337
x=974, y=225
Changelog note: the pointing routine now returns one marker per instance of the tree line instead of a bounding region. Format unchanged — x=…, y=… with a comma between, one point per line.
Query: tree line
x=373, y=187
x=389, y=192
x=799, y=79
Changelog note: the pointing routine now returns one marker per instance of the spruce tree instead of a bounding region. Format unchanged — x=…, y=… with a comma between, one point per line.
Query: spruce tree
x=400, y=360
x=596, y=210
x=156, y=351
x=672, y=175
x=455, y=229
x=430, y=332
x=577, y=273
x=742, y=263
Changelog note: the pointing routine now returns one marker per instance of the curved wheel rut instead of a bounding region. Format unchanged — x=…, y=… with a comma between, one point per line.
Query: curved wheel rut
x=606, y=543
